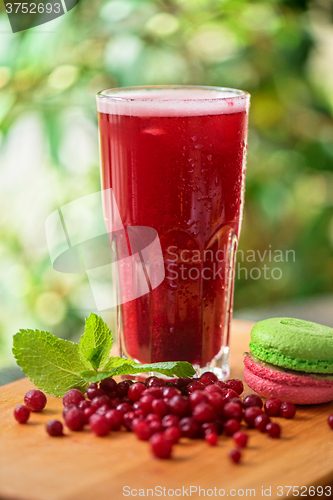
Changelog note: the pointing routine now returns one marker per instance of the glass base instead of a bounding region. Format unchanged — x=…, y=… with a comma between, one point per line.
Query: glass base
x=219, y=365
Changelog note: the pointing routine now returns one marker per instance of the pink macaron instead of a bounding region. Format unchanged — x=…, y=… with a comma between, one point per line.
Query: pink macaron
x=295, y=387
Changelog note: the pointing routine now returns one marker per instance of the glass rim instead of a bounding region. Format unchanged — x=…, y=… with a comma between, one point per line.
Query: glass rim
x=111, y=94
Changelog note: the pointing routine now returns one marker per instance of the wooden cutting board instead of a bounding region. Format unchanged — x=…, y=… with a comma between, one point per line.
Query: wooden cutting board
x=80, y=466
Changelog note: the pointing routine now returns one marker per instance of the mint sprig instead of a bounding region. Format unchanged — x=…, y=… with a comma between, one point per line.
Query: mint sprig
x=96, y=342
x=55, y=365
x=52, y=364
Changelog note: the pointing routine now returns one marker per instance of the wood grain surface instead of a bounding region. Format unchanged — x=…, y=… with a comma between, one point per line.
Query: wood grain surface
x=80, y=466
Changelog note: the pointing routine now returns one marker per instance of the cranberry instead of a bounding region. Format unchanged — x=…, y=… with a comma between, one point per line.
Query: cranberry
x=159, y=407
x=75, y=419
x=126, y=399
x=170, y=421
x=87, y=413
x=161, y=446
x=240, y=439
x=152, y=417
x=173, y=434
x=136, y=390
x=197, y=397
x=272, y=407
x=287, y=410
x=261, y=421
x=170, y=392
x=221, y=384
x=194, y=386
x=146, y=403
x=155, y=382
x=273, y=430
x=54, y=428
x=35, y=400
x=236, y=385
x=235, y=456
x=102, y=410
x=216, y=400
x=139, y=413
x=21, y=414
x=213, y=388
x=250, y=414
x=114, y=402
x=330, y=421
x=134, y=422
x=142, y=431
x=204, y=412
x=230, y=394
x=115, y=418
x=127, y=420
x=189, y=427
x=93, y=392
x=231, y=426
x=136, y=406
x=207, y=427
x=100, y=401
x=84, y=404
x=211, y=438
x=73, y=397
x=99, y=425
x=206, y=381
x=237, y=401
x=233, y=410
x=156, y=392
x=124, y=408
x=108, y=386
x=179, y=405
x=182, y=382
x=65, y=410
x=209, y=375
x=122, y=389
x=252, y=400
x=156, y=426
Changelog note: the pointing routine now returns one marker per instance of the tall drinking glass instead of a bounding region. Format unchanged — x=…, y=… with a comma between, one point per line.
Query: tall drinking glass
x=175, y=160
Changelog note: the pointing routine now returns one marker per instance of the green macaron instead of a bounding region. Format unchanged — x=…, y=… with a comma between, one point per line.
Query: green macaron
x=293, y=343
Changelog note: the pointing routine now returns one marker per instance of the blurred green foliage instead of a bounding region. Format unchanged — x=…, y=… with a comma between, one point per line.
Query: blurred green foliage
x=279, y=51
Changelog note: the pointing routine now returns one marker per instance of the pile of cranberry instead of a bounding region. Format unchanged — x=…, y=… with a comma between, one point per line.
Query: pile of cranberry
x=163, y=411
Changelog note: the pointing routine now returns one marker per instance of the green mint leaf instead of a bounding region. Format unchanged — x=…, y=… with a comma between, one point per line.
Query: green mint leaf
x=52, y=364
x=129, y=367
x=96, y=342
x=168, y=368
x=95, y=377
x=114, y=362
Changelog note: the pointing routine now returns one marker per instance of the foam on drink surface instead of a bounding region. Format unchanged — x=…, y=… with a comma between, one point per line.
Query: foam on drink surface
x=172, y=102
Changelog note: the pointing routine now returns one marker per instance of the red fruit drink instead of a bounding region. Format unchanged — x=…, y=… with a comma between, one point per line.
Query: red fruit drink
x=175, y=159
